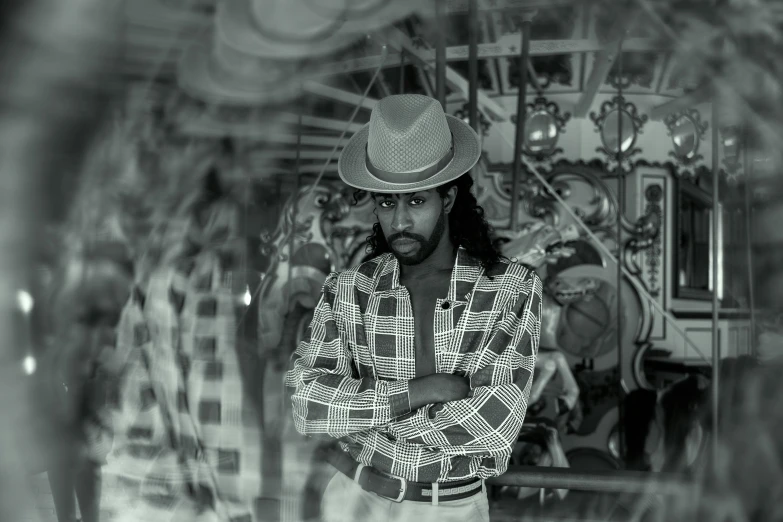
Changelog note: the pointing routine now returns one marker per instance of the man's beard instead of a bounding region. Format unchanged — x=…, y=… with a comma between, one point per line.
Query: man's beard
x=426, y=245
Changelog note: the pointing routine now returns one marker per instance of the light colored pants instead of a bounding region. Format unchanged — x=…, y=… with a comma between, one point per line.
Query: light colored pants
x=345, y=501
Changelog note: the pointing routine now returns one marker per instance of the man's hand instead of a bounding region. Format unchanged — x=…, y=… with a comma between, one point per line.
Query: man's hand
x=437, y=388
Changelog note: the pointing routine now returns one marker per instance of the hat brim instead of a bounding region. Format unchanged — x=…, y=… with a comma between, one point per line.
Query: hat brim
x=196, y=77
x=352, y=166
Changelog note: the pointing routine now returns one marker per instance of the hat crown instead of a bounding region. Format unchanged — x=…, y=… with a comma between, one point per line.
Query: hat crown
x=407, y=132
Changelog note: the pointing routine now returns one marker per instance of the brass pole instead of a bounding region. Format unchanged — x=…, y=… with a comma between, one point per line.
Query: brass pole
x=715, y=303
x=402, y=72
x=748, y=170
x=473, y=30
x=516, y=183
x=620, y=257
x=440, y=55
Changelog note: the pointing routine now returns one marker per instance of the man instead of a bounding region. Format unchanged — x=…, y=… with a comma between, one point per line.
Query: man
x=419, y=360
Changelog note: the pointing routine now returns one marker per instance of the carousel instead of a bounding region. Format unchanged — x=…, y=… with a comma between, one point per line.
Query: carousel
x=611, y=164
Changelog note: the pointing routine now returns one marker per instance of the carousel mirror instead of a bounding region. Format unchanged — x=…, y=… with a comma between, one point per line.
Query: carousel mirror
x=687, y=131
x=618, y=123
x=540, y=132
x=684, y=138
x=543, y=126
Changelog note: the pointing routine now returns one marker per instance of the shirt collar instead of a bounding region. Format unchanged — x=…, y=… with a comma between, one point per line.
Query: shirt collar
x=467, y=270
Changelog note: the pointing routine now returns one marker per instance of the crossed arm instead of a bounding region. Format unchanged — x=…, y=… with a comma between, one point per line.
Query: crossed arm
x=331, y=399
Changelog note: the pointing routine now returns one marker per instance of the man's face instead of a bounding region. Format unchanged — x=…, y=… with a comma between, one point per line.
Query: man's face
x=413, y=223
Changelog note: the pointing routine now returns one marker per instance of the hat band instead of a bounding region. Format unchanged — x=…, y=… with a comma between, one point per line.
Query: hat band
x=411, y=176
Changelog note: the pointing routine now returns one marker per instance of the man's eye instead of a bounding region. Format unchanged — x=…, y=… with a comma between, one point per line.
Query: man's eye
x=416, y=201
x=387, y=203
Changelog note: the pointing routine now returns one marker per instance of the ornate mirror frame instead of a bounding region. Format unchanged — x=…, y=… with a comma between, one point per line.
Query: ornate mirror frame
x=464, y=114
x=541, y=104
x=700, y=128
x=618, y=103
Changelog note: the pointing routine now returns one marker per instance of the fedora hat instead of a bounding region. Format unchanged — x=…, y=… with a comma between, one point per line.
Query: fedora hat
x=409, y=145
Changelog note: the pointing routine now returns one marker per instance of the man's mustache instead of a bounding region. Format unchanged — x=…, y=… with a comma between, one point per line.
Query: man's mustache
x=405, y=235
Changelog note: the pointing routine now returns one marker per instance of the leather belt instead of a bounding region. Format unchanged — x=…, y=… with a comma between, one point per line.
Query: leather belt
x=397, y=488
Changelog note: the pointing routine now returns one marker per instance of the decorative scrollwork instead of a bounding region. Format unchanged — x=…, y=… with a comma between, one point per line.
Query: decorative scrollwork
x=653, y=194
x=464, y=114
x=619, y=116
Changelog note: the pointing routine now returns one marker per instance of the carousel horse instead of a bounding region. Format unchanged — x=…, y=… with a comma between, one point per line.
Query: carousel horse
x=536, y=245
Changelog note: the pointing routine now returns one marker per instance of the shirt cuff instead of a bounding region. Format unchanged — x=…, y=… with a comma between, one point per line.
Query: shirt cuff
x=399, y=400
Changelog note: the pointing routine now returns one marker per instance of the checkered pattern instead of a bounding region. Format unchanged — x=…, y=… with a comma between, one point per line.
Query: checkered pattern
x=189, y=438
x=351, y=372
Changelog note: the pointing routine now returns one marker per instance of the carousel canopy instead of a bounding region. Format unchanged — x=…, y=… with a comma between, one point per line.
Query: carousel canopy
x=223, y=68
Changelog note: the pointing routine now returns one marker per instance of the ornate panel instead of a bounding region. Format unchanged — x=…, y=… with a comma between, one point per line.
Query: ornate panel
x=687, y=132
x=654, y=270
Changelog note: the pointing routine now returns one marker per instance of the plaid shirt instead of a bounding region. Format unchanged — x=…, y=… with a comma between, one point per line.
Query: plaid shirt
x=351, y=371
x=189, y=437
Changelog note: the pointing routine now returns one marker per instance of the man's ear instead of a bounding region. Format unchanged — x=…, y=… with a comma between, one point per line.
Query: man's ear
x=449, y=199
x=693, y=443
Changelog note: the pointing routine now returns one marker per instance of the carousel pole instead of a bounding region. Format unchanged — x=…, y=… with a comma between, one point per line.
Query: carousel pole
x=516, y=184
x=402, y=72
x=714, y=263
x=440, y=55
x=747, y=169
x=473, y=30
x=620, y=256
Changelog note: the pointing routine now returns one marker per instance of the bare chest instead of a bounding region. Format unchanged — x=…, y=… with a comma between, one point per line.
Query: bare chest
x=424, y=295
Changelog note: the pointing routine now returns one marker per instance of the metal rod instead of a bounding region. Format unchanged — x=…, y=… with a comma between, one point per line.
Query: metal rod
x=620, y=257
x=402, y=72
x=748, y=169
x=615, y=481
x=516, y=182
x=473, y=30
x=440, y=55
x=610, y=256
x=715, y=303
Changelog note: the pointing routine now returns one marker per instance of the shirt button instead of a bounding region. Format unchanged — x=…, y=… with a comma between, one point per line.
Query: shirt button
x=446, y=305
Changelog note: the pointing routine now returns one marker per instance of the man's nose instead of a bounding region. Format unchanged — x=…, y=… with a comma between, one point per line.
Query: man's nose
x=402, y=219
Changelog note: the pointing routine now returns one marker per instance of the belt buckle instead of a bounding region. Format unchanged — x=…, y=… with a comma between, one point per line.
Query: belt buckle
x=403, y=489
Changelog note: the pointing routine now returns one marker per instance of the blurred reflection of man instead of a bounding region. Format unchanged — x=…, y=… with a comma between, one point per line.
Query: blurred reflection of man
x=419, y=360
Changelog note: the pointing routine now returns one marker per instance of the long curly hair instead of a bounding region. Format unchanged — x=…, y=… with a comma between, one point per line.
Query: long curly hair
x=468, y=227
